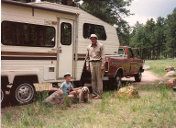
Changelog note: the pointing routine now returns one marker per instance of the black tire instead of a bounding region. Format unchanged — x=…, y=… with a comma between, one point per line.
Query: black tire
x=23, y=93
x=117, y=81
x=4, y=83
x=138, y=76
x=3, y=98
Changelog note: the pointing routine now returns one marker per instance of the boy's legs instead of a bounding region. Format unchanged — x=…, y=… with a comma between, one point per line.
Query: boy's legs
x=73, y=94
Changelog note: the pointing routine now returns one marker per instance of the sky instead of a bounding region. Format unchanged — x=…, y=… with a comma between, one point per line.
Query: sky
x=147, y=9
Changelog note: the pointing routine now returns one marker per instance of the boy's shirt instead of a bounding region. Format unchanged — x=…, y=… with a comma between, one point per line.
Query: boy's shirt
x=66, y=88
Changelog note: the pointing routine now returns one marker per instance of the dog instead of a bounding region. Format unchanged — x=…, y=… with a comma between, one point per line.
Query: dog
x=84, y=95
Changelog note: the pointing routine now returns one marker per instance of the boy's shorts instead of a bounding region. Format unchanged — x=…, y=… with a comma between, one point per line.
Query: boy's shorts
x=69, y=92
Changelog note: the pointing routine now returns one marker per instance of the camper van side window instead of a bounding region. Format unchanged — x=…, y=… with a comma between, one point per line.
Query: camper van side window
x=66, y=33
x=89, y=29
x=24, y=34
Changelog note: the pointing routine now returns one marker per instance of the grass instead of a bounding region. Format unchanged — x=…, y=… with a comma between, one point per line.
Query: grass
x=156, y=107
x=158, y=66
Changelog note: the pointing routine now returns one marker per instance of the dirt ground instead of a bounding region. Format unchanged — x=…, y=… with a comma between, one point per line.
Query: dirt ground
x=148, y=77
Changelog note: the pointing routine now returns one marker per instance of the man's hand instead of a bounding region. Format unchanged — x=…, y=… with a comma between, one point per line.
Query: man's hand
x=102, y=67
x=88, y=68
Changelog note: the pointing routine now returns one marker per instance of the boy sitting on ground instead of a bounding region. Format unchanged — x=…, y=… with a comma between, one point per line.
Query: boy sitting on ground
x=68, y=89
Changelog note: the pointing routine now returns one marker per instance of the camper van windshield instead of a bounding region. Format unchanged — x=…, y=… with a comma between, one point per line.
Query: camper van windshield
x=23, y=34
x=89, y=29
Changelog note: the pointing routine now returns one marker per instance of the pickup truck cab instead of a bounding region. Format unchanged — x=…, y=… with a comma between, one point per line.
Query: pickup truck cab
x=124, y=64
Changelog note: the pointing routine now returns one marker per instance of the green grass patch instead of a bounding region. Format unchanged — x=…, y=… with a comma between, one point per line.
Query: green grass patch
x=158, y=66
x=156, y=107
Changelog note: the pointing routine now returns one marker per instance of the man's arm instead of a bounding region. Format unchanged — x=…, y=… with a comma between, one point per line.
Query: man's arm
x=62, y=88
x=102, y=56
x=87, y=58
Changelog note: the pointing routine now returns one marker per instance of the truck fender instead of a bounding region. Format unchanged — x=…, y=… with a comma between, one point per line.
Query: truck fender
x=119, y=70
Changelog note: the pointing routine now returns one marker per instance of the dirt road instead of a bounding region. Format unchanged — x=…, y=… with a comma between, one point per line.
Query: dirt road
x=148, y=77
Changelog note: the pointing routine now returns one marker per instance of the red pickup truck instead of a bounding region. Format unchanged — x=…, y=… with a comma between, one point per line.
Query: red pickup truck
x=124, y=64
x=121, y=64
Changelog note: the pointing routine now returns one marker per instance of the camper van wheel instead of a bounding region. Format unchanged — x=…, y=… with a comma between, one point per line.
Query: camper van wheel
x=23, y=93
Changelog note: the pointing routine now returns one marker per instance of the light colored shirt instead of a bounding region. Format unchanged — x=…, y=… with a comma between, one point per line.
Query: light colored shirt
x=66, y=88
x=95, y=53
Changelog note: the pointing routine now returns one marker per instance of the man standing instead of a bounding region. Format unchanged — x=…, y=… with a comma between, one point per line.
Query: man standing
x=95, y=62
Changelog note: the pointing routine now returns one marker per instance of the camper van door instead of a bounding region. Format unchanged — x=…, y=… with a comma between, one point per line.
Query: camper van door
x=65, y=47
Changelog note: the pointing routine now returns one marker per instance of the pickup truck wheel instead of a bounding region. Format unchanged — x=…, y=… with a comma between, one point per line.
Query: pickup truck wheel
x=22, y=93
x=117, y=82
x=138, y=76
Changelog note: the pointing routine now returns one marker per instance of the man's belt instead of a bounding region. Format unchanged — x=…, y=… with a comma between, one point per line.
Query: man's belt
x=95, y=60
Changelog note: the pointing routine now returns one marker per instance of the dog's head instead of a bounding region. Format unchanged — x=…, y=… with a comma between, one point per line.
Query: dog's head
x=85, y=90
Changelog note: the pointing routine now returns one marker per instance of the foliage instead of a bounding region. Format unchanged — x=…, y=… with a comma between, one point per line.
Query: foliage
x=156, y=40
x=171, y=35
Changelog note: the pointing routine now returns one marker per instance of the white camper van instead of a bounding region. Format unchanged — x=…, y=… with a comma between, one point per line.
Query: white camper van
x=40, y=42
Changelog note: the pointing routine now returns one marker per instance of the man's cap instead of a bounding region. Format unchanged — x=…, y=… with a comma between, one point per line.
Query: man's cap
x=67, y=74
x=93, y=36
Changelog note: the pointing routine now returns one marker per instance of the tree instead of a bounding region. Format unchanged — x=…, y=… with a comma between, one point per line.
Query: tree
x=159, y=35
x=156, y=40
x=136, y=36
x=140, y=39
x=149, y=30
x=171, y=34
